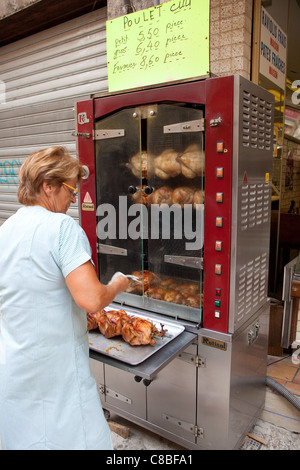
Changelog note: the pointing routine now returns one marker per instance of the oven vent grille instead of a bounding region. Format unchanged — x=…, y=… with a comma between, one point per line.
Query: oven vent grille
x=255, y=205
x=252, y=286
x=257, y=122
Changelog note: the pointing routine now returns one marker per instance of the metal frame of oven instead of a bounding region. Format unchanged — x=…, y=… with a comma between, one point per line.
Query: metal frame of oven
x=203, y=390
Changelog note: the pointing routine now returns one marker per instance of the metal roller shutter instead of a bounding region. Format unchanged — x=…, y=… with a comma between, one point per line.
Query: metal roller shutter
x=41, y=77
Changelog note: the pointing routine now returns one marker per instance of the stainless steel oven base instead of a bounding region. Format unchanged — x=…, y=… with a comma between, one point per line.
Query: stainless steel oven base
x=207, y=397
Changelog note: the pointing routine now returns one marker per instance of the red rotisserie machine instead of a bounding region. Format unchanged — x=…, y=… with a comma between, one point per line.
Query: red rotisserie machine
x=178, y=192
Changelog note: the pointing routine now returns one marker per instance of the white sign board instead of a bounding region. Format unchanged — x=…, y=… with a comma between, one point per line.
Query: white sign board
x=273, y=50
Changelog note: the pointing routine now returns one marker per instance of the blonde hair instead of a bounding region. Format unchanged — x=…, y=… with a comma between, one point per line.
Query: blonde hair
x=53, y=165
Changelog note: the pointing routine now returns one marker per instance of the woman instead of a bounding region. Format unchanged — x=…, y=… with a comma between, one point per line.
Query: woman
x=48, y=397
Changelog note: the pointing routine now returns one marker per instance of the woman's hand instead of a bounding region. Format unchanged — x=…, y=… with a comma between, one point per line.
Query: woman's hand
x=88, y=292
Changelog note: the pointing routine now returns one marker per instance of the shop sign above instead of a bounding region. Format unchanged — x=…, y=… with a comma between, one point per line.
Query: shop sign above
x=165, y=43
x=273, y=50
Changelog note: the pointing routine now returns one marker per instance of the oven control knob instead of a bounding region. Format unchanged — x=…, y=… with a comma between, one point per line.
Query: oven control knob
x=147, y=382
x=87, y=172
x=148, y=190
x=132, y=189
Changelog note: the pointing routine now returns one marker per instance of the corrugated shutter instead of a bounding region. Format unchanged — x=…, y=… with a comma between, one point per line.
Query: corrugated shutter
x=41, y=77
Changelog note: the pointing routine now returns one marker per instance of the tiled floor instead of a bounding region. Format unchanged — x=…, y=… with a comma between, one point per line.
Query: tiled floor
x=285, y=372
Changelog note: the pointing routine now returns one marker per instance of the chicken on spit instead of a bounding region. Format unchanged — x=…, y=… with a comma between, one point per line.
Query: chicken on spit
x=192, y=162
x=167, y=165
x=145, y=280
x=140, y=165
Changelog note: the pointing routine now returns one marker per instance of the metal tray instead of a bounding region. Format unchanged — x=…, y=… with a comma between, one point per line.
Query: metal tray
x=117, y=348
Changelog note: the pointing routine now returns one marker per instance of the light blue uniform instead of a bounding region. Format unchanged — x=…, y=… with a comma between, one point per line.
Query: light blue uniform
x=48, y=397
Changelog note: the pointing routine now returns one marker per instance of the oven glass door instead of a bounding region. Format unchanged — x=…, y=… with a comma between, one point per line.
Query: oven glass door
x=176, y=210
x=120, y=248
x=150, y=206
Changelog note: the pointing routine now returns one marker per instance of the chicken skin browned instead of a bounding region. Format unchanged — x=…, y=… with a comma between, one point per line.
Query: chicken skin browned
x=134, y=330
x=111, y=323
x=91, y=321
x=138, y=331
x=146, y=279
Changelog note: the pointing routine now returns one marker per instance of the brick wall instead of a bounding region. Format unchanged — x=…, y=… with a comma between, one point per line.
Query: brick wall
x=230, y=37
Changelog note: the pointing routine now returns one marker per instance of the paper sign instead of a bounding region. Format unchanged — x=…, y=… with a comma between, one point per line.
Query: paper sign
x=161, y=44
x=273, y=50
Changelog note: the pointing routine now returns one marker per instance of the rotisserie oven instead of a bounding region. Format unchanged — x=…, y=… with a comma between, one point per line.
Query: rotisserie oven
x=178, y=195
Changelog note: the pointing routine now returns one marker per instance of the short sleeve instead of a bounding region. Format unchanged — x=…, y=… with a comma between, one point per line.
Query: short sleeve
x=74, y=247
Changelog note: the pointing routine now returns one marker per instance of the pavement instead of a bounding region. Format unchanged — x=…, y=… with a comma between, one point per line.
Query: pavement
x=278, y=427
x=275, y=438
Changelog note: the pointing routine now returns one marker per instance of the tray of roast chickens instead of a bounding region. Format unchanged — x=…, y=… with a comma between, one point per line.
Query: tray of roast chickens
x=129, y=337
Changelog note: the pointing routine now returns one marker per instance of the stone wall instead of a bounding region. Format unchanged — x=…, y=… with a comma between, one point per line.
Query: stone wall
x=230, y=37
x=9, y=7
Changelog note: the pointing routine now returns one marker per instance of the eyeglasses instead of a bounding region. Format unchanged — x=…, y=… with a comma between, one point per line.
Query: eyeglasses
x=74, y=190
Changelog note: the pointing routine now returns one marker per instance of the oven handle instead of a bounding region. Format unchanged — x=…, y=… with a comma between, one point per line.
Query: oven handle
x=189, y=261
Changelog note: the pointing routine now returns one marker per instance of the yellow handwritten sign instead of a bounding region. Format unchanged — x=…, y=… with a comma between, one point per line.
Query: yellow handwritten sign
x=160, y=44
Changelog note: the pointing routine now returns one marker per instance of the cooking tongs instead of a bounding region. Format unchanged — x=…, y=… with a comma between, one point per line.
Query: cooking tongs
x=134, y=278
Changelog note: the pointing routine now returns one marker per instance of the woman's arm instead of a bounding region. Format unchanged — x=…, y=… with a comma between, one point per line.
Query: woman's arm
x=88, y=292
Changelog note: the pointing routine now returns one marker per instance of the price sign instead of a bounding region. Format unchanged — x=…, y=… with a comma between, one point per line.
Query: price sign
x=273, y=50
x=160, y=44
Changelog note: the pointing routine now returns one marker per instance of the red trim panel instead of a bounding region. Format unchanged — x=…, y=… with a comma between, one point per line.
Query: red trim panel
x=218, y=184
x=85, y=127
x=188, y=93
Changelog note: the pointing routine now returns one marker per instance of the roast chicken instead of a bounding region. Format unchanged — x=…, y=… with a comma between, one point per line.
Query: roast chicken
x=111, y=323
x=146, y=279
x=138, y=331
x=167, y=165
x=198, y=198
x=169, y=289
x=167, y=195
x=91, y=321
x=192, y=162
x=140, y=165
x=134, y=330
x=162, y=195
x=183, y=195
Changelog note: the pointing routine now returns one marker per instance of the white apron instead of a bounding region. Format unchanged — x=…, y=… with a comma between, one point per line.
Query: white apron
x=48, y=396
